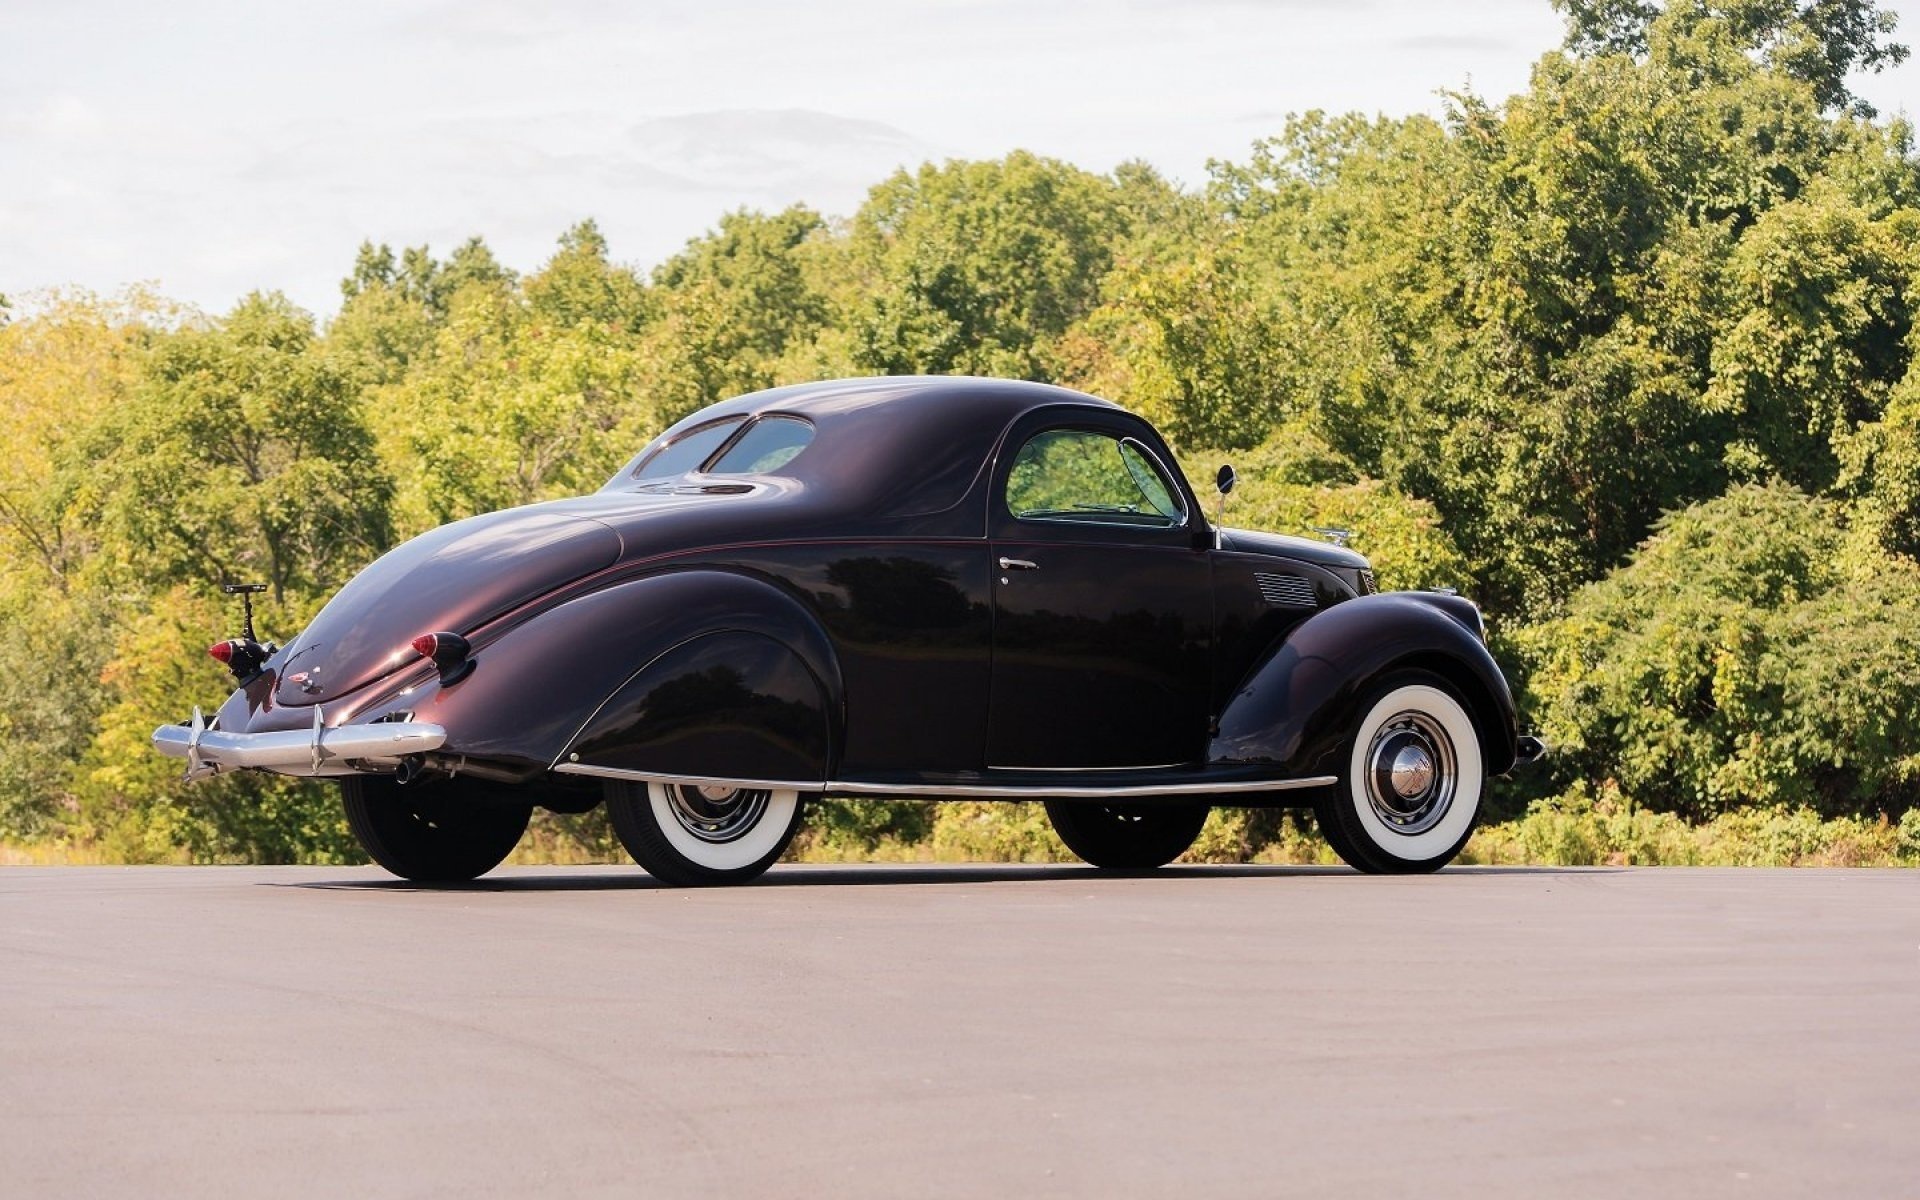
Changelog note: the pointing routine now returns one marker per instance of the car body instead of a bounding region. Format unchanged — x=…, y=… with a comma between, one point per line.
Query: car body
x=925, y=587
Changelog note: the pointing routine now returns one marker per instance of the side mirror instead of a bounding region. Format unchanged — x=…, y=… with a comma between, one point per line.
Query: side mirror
x=1223, y=479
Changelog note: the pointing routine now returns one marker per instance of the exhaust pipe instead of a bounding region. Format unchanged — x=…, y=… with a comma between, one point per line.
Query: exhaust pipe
x=411, y=768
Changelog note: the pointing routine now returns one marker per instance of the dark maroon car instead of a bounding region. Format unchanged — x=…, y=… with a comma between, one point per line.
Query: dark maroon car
x=936, y=587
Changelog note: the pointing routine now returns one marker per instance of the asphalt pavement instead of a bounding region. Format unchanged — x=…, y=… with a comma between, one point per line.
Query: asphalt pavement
x=960, y=1031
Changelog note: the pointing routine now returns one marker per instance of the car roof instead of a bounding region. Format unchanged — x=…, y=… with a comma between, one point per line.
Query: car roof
x=993, y=402
x=905, y=444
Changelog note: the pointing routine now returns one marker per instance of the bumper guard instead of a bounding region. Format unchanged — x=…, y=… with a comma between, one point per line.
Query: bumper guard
x=1529, y=750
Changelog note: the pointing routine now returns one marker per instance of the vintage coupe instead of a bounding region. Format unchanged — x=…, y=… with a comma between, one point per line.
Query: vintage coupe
x=931, y=587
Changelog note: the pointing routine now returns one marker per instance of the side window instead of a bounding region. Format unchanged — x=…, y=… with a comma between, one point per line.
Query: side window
x=686, y=452
x=1092, y=478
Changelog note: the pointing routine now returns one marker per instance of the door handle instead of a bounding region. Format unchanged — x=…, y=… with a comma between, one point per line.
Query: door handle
x=1018, y=564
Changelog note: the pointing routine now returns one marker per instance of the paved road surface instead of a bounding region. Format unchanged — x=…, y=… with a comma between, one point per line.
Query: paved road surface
x=940, y=1031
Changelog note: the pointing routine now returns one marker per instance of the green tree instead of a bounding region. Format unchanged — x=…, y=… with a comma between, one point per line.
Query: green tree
x=580, y=285
x=739, y=310
x=525, y=395
x=1819, y=42
x=393, y=309
x=1737, y=661
x=976, y=267
x=1297, y=484
x=243, y=454
x=76, y=359
x=756, y=263
x=1194, y=346
x=133, y=803
x=1819, y=341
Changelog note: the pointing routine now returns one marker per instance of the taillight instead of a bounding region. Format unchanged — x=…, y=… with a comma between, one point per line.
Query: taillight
x=240, y=656
x=451, y=654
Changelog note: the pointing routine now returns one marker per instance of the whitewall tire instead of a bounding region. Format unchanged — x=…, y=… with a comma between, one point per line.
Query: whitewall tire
x=1412, y=778
x=688, y=835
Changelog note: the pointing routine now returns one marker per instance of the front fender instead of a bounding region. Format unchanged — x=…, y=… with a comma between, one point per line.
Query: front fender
x=1297, y=706
x=535, y=688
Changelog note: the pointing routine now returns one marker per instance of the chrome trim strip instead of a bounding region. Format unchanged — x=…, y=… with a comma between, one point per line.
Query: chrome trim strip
x=845, y=788
x=1093, y=770
x=776, y=785
x=1081, y=793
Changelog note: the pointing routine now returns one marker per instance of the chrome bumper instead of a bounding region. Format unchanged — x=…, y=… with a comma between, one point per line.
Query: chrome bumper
x=315, y=751
x=1529, y=750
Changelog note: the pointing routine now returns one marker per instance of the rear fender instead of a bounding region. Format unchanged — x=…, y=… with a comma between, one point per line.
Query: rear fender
x=1297, y=706
x=733, y=705
x=536, y=688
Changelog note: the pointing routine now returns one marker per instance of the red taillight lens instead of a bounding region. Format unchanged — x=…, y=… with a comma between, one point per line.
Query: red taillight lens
x=222, y=651
x=450, y=652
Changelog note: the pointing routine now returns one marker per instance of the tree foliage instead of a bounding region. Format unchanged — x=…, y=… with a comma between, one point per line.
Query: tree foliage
x=1817, y=42
x=1739, y=660
x=1627, y=357
x=977, y=267
x=244, y=454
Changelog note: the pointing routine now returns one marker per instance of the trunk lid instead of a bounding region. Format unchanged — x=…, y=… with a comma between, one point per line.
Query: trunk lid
x=456, y=578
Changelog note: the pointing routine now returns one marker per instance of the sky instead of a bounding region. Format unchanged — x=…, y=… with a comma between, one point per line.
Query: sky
x=214, y=148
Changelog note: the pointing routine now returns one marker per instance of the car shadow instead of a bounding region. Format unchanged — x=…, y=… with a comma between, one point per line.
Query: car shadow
x=611, y=878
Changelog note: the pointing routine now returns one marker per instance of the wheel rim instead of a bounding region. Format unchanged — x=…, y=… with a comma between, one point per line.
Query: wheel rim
x=1411, y=773
x=716, y=815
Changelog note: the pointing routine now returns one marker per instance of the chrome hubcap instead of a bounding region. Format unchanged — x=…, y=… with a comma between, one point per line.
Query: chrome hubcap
x=1410, y=773
x=716, y=814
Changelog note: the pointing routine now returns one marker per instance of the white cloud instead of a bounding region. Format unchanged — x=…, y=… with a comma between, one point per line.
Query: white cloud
x=219, y=147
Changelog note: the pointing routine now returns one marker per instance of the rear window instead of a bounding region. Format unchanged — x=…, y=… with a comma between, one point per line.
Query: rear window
x=770, y=444
x=686, y=452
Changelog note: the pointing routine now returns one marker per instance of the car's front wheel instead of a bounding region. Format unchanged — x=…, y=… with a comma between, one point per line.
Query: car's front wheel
x=440, y=831
x=1127, y=837
x=690, y=836
x=1410, y=792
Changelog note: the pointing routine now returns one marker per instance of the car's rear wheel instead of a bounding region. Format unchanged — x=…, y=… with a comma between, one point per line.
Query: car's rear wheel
x=1127, y=837
x=694, y=836
x=441, y=831
x=1410, y=792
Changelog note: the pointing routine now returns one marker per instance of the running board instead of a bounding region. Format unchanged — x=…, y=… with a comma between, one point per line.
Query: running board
x=1036, y=790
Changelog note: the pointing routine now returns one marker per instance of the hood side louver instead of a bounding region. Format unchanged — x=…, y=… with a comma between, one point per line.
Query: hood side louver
x=1285, y=591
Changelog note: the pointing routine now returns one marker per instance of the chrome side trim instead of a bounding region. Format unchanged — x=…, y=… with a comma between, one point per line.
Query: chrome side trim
x=1091, y=770
x=775, y=785
x=772, y=785
x=1081, y=793
x=980, y=791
